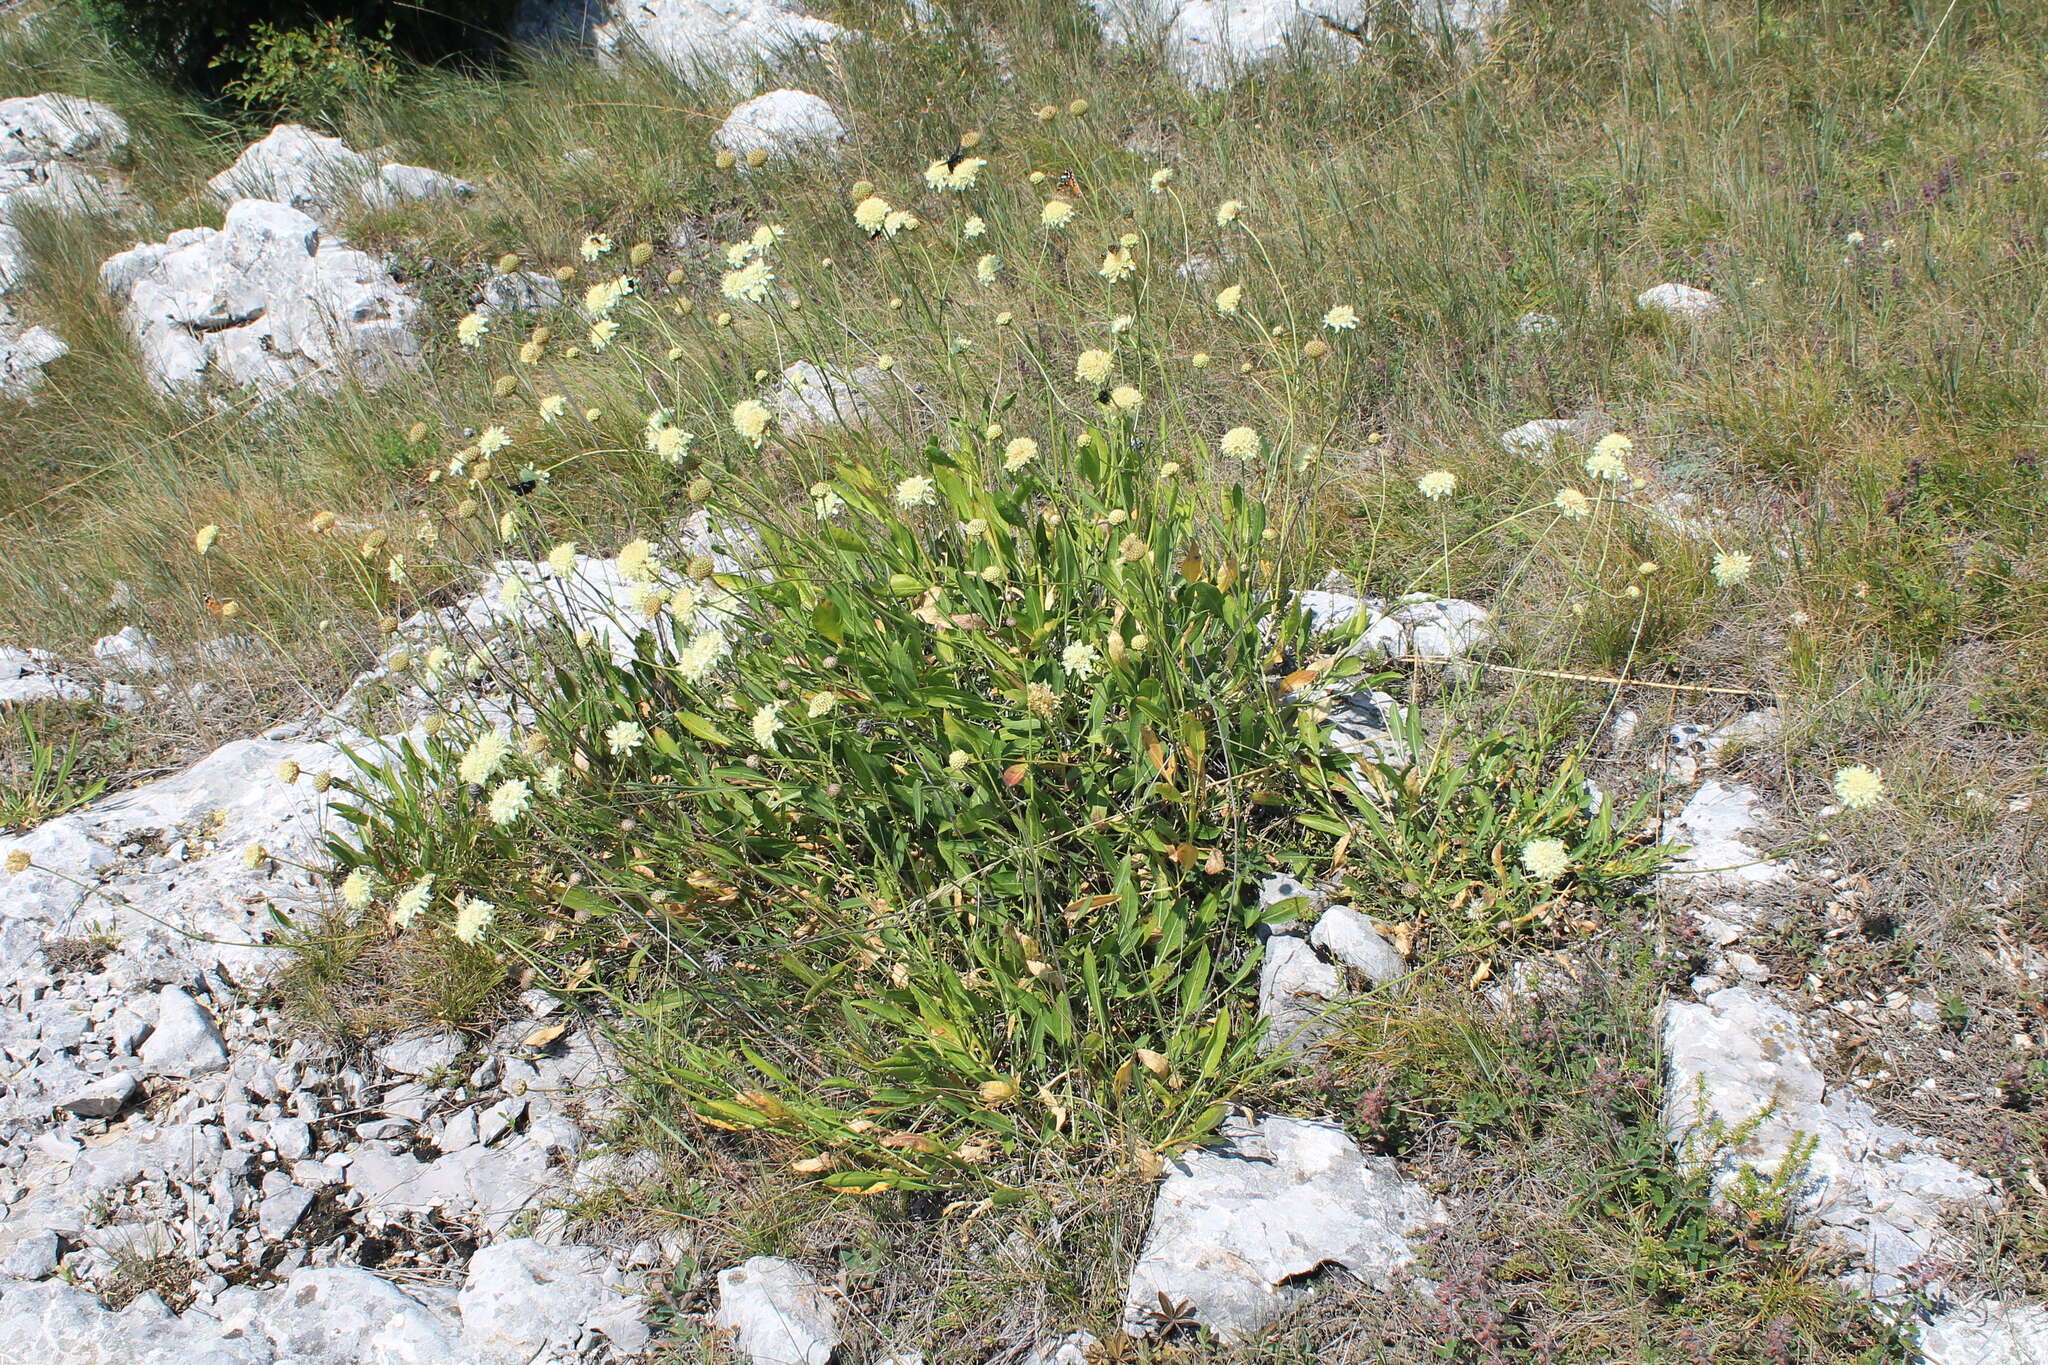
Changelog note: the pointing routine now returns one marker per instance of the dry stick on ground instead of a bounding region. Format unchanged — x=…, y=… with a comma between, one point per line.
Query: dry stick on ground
x=1604, y=679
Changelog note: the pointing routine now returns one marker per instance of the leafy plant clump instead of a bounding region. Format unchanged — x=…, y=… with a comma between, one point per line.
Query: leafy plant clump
x=936, y=838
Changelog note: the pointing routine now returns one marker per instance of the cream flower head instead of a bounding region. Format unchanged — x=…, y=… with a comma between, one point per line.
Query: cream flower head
x=750, y=418
x=1240, y=443
x=472, y=918
x=1606, y=464
x=1228, y=298
x=1056, y=214
x=1342, y=318
x=509, y=801
x=918, y=490
x=1546, y=859
x=1093, y=366
x=1437, y=484
x=870, y=213
x=1859, y=786
x=1731, y=567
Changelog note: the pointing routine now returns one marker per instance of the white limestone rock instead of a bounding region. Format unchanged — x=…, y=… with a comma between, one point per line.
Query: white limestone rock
x=810, y=398
x=1988, y=1333
x=525, y=1301
x=777, y=1313
x=779, y=123
x=1071, y=1349
x=23, y=354
x=422, y=1053
x=87, y=867
x=729, y=40
x=1418, y=624
x=1716, y=829
x=1357, y=942
x=1741, y=1062
x=321, y=175
x=54, y=149
x=1679, y=301
x=1296, y=988
x=341, y=1314
x=396, y=183
x=268, y=300
x=185, y=1041
x=1237, y=1227
x=1427, y=627
x=131, y=650
x=13, y=257
x=1209, y=43
x=1538, y=436
x=295, y=166
x=522, y=291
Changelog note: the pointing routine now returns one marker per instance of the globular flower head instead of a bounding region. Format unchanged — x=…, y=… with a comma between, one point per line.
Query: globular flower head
x=1056, y=214
x=1080, y=660
x=1437, y=483
x=749, y=284
x=356, y=889
x=1228, y=298
x=1240, y=443
x=470, y=331
x=1118, y=264
x=974, y=227
x=1606, y=464
x=485, y=755
x=986, y=268
x=1731, y=567
x=1859, y=786
x=899, y=220
x=767, y=723
x=1546, y=859
x=955, y=175
x=1228, y=212
x=696, y=660
x=623, y=737
x=750, y=418
x=1161, y=178
x=1125, y=398
x=413, y=900
x=1022, y=450
x=918, y=490
x=1342, y=318
x=1573, y=503
x=871, y=213
x=1093, y=366
x=472, y=918
x=509, y=801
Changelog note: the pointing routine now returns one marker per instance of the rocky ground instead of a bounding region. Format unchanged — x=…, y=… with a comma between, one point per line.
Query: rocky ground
x=191, y=1177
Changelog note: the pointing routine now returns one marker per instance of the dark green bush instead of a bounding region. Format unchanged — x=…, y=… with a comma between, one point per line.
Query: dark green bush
x=216, y=45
